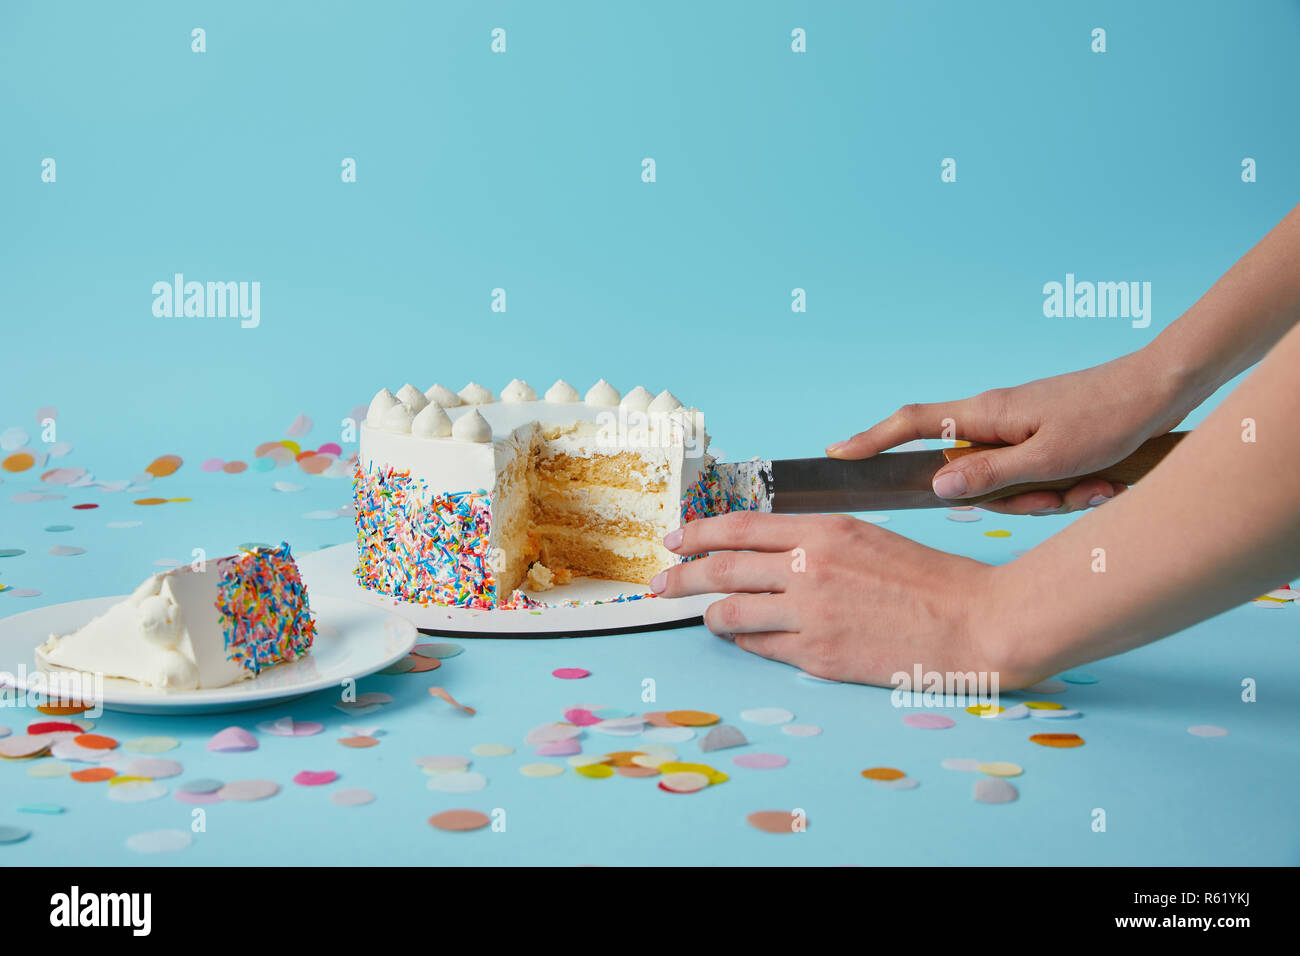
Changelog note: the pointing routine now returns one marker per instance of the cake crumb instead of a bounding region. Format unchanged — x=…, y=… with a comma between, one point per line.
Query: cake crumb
x=540, y=577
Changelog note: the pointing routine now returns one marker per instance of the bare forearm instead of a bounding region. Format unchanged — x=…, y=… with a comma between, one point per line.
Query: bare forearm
x=1216, y=524
x=1239, y=319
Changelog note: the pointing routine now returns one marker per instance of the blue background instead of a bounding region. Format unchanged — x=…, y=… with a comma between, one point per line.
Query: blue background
x=522, y=171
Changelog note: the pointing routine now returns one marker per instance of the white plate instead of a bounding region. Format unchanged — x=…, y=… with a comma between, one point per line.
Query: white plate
x=351, y=641
x=329, y=572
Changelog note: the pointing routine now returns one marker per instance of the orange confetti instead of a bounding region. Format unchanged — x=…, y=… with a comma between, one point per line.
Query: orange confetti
x=622, y=758
x=692, y=718
x=358, y=742
x=314, y=464
x=19, y=461
x=164, y=465
x=421, y=665
x=776, y=821
x=93, y=774
x=264, y=449
x=883, y=773
x=635, y=771
x=439, y=692
x=234, y=467
x=69, y=709
x=459, y=820
x=151, y=501
x=658, y=718
x=1057, y=740
x=95, y=742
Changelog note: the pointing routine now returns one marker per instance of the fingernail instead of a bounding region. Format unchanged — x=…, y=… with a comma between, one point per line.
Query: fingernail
x=950, y=485
x=660, y=581
x=835, y=449
x=1046, y=511
x=1097, y=500
x=673, y=540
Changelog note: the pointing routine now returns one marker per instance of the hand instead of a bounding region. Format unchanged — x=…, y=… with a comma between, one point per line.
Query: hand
x=1056, y=427
x=838, y=597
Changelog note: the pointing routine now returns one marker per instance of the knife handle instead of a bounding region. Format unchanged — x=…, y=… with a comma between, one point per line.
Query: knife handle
x=1149, y=454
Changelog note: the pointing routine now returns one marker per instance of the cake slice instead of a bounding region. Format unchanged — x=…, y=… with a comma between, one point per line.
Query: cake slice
x=193, y=629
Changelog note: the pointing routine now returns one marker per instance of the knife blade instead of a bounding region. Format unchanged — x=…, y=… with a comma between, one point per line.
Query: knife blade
x=885, y=482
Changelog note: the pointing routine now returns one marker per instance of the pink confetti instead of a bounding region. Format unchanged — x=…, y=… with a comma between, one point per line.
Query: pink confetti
x=570, y=673
x=560, y=748
x=581, y=716
x=301, y=426
x=232, y=740
x=929, y=721
x=212, y=464
x=288, y=727
x=46, y=411
x=760, y=761
x=62, y=476
x=329, y=448
x=315, y=778
x=184, y=796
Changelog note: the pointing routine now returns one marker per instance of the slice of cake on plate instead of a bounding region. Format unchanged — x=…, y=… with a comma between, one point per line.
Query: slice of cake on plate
x=462, y=498
x=193, y=629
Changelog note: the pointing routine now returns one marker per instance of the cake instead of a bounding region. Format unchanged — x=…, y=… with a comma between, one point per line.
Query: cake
x=463, y=498
x=196, y=628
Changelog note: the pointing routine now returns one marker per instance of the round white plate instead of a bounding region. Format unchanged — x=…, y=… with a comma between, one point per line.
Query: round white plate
x=329, y=572
x=352, y=640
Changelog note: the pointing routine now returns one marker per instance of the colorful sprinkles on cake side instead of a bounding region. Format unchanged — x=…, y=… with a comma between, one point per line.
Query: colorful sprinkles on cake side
x=262, y=608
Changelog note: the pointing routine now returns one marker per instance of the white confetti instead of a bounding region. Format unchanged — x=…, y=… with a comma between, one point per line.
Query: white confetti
x=159, y=841
x=767, y=716
x=11, y=439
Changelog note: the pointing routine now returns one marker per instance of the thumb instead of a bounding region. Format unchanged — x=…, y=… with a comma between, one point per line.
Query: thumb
x=984, y=471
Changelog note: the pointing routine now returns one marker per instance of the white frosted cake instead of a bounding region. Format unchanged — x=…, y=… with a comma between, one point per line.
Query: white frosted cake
x=189, y=629
x=463, y=498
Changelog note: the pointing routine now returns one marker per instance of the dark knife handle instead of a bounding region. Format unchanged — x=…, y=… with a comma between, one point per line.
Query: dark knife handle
x=1128, y=470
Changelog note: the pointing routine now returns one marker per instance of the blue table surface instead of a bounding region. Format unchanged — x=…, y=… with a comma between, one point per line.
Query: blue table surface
x=1169, y=797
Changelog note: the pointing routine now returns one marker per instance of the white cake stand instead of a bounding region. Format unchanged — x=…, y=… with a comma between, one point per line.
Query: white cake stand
x=329, y=572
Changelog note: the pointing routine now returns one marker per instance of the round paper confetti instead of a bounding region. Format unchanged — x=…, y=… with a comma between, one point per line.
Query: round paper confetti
x=883, y=773
x=54, y=528
x=155, y=768
x=198, y=799
x=403, y=665
x=442, y=652
x=999, y=533
x=12, y=439
x=1057, y=740
x=570, y=673
x=49, y=769
x=1062, y=714
x=541, y=770
x=136, y=791
x=902, y=783
x=767, y=716
x=683, y=782
x=1078, y=677
x=459, y=820
x=19, y=461
x=359, y=742
x=1014, y=712
x=202, y=785
x=244, y=790
x=583, y=760
x=713, y=776
x=314, y=778
x=443, y=762
x=760, y=761
x=159, y=841
x=351, y=797
x=985, y=710
x=776, y=821
x=596, y=771
x=801, y=730
x=1047, y=687
x=1000, y=768
x=93, y=774
x=421, y=665
x=692, y=718
x=581, y=717
x=1205, y=730
x=66, y=551
x=5, y=732
x=491, y=750
x=638, y=772
x=928, y=721
x=994, y=790
x=232, y=740
x=668, y=735
x=1043, y=705
x=9, y=834
x=24, y=745
x=48, y=809
x=559, y=748
x=464, y=781
x=960, y=763
x=11, y=552
x=288, y=727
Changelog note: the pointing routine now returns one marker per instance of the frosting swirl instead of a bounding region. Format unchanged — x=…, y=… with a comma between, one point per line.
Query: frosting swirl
x=665, y=401
x=472, y=426
x=398, y=419
x=518, y=391
x=410, y=395
x=379, y=405
x=442, y=395
x=475, y=394
x=432, y=422
x=602, y=393
x=562, y=392
x=637, y=400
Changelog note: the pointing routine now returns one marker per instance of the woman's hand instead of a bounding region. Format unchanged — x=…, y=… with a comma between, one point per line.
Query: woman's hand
x=840, y=598
x=1055, y=427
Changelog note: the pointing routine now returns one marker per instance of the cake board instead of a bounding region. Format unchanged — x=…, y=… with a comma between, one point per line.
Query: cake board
x=329, y=572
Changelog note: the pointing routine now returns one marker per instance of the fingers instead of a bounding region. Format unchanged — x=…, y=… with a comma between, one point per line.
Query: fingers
x=750, y=614
x=780, y=646
x=1084, y=495
x=908, y=423
x=986, y=471
x=725, y=572
x=738, y=531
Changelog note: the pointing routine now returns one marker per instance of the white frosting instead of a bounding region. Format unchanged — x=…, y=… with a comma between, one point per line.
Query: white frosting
x=602, y=393
x=442, y=395
x=562, y=392
x=432, y=422
x=472, y=427
x=475, y=394
x=665, y=401
x=518, y=391
x=408, y=394
x=637, y=400
x=398, y=419
x=379, y=405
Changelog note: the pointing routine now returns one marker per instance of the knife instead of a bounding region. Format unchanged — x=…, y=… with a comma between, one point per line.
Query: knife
x=885, y=482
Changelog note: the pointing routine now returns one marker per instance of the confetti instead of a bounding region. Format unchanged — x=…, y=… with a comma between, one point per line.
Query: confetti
x=20, y=592
x=658, y=718
x=998, y=768
x=542, y=770
x=402, y=666
x=1204, y=730
x=351, y=797
x=1043, y=705
x=443, y=762
x=46, y=412
x=11, y=439
x=685, y=781
x=570, y=673
x=760, y=761
x=994, y=790
x=492, y=750
x=462, y=781
x=10, y=834
x=722, y=737
x=49, y=809
x=51, y=727
x=714, y=776
x=963, y=516
x=692, y=718
x=11, y=552
x=442, y=651
x=559, y=748
x=776, y=821
x=1078, y=677
x=19, y=461
x=232, y=740
x=288, y=727
x=198, y=799
x=1014, y=712
x=1059, y=714
x=1057, y=740
x=928, y=721
x=442, y=694
x=999, y=533
x=212, y=464
x=49, y=769
x=668, y=735
x=245, y=790
x=93, y=774
x=300, y=426
x=288, y=487
x=422, y=665
x=767, y=716
x=359, y=742
x=637, y=772
x=159, y=841
x=164, y=465
x=883, y=773
x=95, y=742
x=459, y=820
x=597, y=771
x=56, y=528
x=136, y=791
x=582, y=760
x=5, y=732
x=314, y=778
x=960, y=763
x=1047, y=687
x=581, y=717
x=22, y=746
x=902, y=783
x=66, y=550
x=985, y=710
x=202, y=785
x=155, y=768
